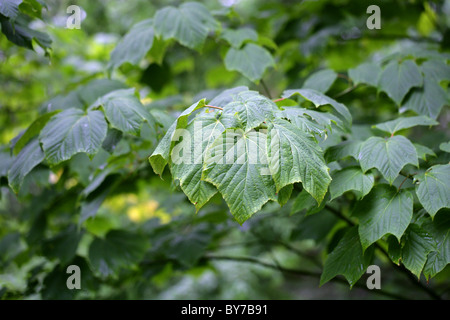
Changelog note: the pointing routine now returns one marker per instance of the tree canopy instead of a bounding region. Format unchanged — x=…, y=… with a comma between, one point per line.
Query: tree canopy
x=232, y=149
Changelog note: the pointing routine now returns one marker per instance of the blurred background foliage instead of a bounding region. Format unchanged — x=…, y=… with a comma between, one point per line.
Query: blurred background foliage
x=154, y=244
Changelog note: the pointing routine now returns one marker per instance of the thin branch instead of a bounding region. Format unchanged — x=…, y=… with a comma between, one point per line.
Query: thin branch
x=303, y=273
x=401, y=268
x=278, y=100
x=214, y=107
x=349, y=89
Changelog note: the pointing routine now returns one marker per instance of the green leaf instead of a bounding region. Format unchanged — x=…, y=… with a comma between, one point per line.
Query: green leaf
x=433, y=190
x=133, y=47
x=189, y=248
x=64, y=245
x=227, y=96
x=366, y=73
x=304, y=201
x=404, y=123
x=95, y=89
x=304, y=123
x=388, y=155
x=351, y=178
x=245, y=183
x=33, y=130
x=423, y=152
x=445, y=146
x=125, y=112
x=29, y=157
x=252, y=61
x=418, y=244
x=319, y=99
x=321, y=80
x=6, y=159
x=250, y=109
x=119, y=249
x=33, y=8
x=189, y=24
x=394, y=249
x=314, y=227
x=20, y=34
x=161, y=156
x=199, y=136
x=73, y=131
x=398, y=78
x=284, y=195
x=437, y=260
x=10, y=8
x=347, y=259
x=238, y=37
x=437, y=70
x=349, y=148
x=428, y=100
x=384, y=211
x=294, y=156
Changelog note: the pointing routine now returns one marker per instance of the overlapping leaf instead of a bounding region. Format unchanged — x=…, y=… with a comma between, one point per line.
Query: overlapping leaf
x=251, y=60
x=388, y=155
x=73, y=131
x=434, y=189
x=189, y=24
x=384, y=211
x=134, y=45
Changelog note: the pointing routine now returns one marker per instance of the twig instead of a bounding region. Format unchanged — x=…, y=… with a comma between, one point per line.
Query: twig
x=299, y=272
x=214, y=107
x=401, y=268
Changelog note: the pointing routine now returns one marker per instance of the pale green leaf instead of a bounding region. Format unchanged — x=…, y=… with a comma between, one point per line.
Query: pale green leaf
x=366, y=73
x=196, y=140
x=33, y=130
x=189, y=24
x=133, y=47
x=437, y=260
x=423, y=152
x=384, y=211
x=418, y=244
x=238, y=171
x=428, y=100
x=251, y=60
x=321, y=80
x=10, y=8
x=125, y=112
x=388, y=155
x=250, y=109
x=238, y=37
x=319, y=99
x=351, y=178
x=404, y=123
x=398, y=78
x=73, y=131
x=349, y=148
x=445, y=146
x=433, y=190
x=28, y=158
x=295, y=157
x=437, y=70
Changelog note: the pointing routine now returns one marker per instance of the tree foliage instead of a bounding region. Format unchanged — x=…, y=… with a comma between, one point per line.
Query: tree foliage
x=317, y=136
